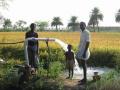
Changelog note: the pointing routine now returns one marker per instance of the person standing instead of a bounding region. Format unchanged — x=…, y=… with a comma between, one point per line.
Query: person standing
x=70, y=62
x=33, y=46
x=83, y=52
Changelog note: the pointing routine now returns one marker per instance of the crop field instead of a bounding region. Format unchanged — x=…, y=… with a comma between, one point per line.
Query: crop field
x=103, y=45
x=99, y=40
x=105, y=51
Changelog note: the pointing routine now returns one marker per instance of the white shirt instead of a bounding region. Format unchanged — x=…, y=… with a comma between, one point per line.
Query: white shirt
x=84, y=38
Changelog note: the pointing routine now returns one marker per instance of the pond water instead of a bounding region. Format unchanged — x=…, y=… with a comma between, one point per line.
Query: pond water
x=90, y=72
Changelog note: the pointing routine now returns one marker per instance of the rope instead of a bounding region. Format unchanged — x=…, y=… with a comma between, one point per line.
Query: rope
x=13, y=43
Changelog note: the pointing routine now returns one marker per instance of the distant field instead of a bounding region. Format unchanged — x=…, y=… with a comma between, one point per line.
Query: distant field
x=105, y=29
x=100, y=40
x=105, y=52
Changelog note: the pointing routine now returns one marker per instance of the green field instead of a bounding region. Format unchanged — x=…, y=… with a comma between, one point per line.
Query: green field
x=104, y=47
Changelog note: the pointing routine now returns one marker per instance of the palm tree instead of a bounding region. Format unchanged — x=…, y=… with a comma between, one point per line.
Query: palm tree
x=117, y=16
x=20, y=24
x=56, y=21
x=73, y=23
x=41, y=25
x=7, y=23
x=95, y=17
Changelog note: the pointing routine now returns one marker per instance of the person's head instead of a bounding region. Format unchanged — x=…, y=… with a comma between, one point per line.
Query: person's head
x=32, y=26
x=69, y=47
x=82, y=26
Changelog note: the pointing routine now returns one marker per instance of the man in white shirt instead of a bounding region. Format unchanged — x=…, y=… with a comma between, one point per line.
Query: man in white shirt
x=83, y=53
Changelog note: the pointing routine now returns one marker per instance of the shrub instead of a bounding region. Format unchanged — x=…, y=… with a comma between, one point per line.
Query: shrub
x=109, y=81
x=55, y=69
x=109, y=58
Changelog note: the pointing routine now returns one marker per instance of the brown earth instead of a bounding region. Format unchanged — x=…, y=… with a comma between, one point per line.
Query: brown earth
x=72, y=84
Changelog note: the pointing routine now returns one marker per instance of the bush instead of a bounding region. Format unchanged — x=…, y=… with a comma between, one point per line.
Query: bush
x=105, y=58
x=99, y=57
x=9, y=78
x=55, y=69
x=109, y=81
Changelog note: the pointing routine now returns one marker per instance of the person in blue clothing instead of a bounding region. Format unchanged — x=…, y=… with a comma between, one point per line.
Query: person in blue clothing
x=33, y=46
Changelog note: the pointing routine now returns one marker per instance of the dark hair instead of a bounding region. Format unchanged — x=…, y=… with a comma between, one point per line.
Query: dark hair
x=69, y=45
x=83, y=23
x=32, y=25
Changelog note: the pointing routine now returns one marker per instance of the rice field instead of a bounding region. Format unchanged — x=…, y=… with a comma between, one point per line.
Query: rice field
x=104, y=46
x=99, y=40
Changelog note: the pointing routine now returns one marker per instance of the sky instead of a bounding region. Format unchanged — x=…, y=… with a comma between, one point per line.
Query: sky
x=45, y=10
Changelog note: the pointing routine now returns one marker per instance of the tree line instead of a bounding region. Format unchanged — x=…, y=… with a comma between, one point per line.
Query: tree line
x=95, y=17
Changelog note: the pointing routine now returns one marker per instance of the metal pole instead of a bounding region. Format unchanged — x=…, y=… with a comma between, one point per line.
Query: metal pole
x=49, y=57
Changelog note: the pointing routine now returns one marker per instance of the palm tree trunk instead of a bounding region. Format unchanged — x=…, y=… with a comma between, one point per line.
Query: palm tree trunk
x=73, y=28
x=94, y=27
x=56, y=28
x=98, y=27
x=59, y=27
